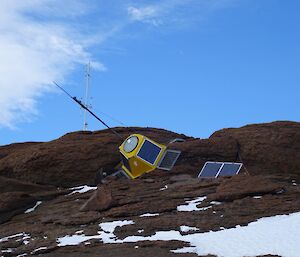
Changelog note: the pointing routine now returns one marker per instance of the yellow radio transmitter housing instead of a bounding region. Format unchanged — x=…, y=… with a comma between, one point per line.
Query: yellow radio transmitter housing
x=140, y=155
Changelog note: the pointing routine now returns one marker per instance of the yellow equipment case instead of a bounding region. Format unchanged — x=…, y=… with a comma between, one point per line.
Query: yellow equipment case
x=140, y=155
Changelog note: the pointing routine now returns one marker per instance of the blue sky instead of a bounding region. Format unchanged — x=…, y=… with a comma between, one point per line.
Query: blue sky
x=190, y=66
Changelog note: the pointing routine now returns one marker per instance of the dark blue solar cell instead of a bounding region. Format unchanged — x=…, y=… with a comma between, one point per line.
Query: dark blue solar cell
x=168, y=160
x=210, y=169
x=149, y=152
x=230, y=169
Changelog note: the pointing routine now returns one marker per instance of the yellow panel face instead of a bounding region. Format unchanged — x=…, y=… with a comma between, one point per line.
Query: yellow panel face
x=130, y=150
x=138, y=167
x=132, y=153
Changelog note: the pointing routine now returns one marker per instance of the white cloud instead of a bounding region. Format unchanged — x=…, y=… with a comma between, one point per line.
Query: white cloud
x=147, y=14
x=173, y=11
x=42, y=41
x=34, y=51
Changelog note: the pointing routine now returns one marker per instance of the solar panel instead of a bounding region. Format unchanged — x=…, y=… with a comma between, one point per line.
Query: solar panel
x=169, y=159
x=230, y=169
x=149, y=152
x=210, y=169
x=222, y=169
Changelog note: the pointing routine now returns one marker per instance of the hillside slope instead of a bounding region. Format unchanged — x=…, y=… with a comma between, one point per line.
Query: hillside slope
x=41, y=175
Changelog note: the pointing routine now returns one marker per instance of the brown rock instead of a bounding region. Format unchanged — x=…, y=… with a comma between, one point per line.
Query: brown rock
x=241, y=186
x=181, y=178
x=149, y=180
x=15, y=185
x=101, y=200
x=12, y=203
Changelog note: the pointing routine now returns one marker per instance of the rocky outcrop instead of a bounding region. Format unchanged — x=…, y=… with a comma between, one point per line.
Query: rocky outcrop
x=70, y=160
x=270, y=148
x=73, y=159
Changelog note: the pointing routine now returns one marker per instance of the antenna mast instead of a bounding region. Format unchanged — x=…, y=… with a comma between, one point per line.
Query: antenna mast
x=88, y=110
x=86, y=97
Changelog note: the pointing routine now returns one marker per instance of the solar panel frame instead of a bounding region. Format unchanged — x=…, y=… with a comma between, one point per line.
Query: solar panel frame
x=141, y=149
x=205, y=165
x=173, y=161
x=220, y=168
x=230, y=163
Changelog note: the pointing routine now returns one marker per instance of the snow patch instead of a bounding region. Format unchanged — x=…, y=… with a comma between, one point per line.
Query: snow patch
x=34, y=207
x=25, y=242
x=20, y=237
x=106, y=236
x=111, y=226
x=149, y=215
x=39, y=249
x=279, y=235
x=215, y=203
x=5, y=239
x=161, y=235
x=81, y=189
x=192, y=205
x=164, y=188
x=188, y=229
x=75, y=239
x=8, y=250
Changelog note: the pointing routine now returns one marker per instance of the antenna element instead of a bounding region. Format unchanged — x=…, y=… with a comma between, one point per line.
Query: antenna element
x=86, y=97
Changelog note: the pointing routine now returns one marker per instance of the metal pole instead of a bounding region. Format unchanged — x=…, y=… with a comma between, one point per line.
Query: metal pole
x=86, y=99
